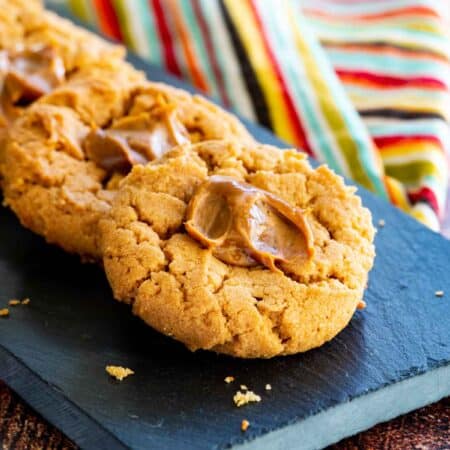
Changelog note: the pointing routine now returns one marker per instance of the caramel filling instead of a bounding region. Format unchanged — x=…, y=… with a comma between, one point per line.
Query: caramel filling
x=28, y=74
x=136, y=139
x=246, y=226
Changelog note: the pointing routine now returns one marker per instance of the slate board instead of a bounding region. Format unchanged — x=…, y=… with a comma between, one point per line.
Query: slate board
x=392, y=358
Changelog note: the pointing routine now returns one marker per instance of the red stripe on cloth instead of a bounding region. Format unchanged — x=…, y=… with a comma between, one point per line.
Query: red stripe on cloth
x=293, y=117
x=385, y=141
x=109, y=22
x=419, y=10
x=388, y=81
x=425, y=194
x=164, y=34
x=211, y=53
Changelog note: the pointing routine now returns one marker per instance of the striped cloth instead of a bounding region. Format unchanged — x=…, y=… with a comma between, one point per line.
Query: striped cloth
x=361, y=85
x=394, y=63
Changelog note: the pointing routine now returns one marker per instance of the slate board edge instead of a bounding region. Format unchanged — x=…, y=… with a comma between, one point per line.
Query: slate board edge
x=54, y=406
x=323, y=429
x=328, y=427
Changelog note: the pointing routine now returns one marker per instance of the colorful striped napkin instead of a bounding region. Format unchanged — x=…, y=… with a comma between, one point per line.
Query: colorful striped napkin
x=394, y=62
x=361, y=85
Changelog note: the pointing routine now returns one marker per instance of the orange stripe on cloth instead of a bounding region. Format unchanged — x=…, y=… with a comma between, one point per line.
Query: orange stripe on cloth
x=386, y=49
x=400, y=12
x=397, y=193
x=107, y=19
x=187, y=44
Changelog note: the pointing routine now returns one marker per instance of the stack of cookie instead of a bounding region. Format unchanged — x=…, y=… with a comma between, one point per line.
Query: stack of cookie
x=212, y=238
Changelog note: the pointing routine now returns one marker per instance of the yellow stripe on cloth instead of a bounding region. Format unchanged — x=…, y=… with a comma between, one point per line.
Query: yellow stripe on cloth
x=250, y=35
x=409, y=150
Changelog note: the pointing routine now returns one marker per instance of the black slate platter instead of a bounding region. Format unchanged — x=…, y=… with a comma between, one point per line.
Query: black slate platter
x=392, y=358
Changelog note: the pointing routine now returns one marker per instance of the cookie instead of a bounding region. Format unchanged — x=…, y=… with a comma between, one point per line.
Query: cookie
x=67, y=153
x=12, y=30
x=239, y=249
x=39, y=51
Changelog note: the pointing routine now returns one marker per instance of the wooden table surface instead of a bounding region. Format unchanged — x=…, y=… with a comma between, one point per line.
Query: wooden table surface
x=426, y=429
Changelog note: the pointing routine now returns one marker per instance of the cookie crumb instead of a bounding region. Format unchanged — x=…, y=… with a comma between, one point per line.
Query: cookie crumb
x=14, y=302
x=439, y=293
x=229, y=379
x=268, y=387
x=243, y=387
x=4, y=312
x=244, y=425
x=119, y=372
x=381, y=223
x=361, y=305
x=241, y=398
x=26, y=301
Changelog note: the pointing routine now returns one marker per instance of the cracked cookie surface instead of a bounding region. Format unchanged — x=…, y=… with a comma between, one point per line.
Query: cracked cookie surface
x=26, y=29
x=39, y=51
x=54, y=186
x=178, y=287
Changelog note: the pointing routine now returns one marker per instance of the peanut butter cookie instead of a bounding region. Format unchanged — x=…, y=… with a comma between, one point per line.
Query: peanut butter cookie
x=12, y=30
x=40, y=50
x=240, y=249
x=67, y=153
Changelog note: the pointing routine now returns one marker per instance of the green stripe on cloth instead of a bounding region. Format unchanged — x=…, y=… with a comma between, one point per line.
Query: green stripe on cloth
x=149, y=31
x=199, y=46
x=284, y=42
x=354, y=143
x=83, y=9
x=126, y=19
x=409, y=173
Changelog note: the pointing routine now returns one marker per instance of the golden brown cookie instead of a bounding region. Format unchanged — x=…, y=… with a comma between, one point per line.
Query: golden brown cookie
x=39, y=51
x=12, y=30
x=67, y=153
x=239, y=249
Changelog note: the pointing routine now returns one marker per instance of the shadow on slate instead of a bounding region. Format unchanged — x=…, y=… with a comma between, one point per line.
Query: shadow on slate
x=393, y=357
